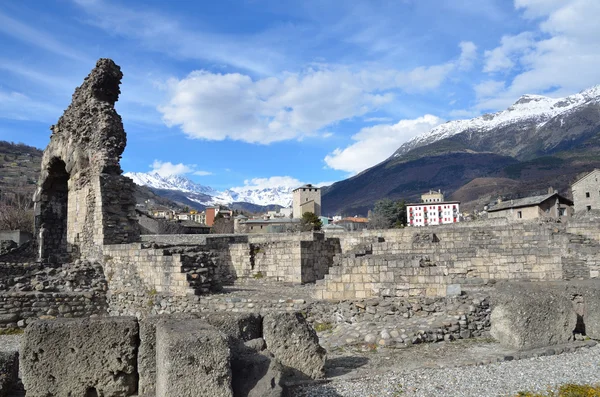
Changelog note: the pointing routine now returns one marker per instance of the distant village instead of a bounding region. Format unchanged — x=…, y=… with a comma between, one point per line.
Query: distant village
x=433, y=209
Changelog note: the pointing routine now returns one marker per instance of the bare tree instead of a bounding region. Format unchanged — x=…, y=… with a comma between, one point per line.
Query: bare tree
x=222, y=226
x=16, y=212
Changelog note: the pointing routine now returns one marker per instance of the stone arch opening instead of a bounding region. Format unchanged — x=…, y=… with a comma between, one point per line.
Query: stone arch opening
x=51, y=222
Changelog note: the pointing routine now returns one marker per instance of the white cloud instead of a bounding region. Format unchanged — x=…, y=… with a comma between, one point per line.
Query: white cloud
x=215, y=106
x=468, y=55
x=378, y=119
x=505, y=56
x=267, y=183
x=167, y=169
x=202, y=173
x=489, y=88
x=18, y=106
x=37, y=38
x=560, y=59
x=161, y=33
x=375, y=144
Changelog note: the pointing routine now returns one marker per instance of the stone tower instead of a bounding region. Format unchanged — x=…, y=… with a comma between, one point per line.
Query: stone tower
x=82, y=201
x=306, y=198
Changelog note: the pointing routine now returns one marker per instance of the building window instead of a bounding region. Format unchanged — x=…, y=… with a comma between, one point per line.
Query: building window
x=589, y=207
x=519, y=214
x=587, y=194
x=561, y=212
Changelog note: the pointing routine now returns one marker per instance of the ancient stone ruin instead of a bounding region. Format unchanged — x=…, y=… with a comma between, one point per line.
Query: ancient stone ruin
x=109, y=312
x=82, y=202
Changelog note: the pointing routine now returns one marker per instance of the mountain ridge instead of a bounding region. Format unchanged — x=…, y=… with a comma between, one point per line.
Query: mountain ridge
x=206, y=195
x=528, y=108
x=549, y=146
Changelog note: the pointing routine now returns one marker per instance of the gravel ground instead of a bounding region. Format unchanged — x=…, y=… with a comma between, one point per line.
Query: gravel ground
x=500, y=379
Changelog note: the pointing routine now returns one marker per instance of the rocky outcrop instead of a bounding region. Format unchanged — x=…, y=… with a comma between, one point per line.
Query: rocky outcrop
x=532, y=315
x=82, y=201
x=295, y=344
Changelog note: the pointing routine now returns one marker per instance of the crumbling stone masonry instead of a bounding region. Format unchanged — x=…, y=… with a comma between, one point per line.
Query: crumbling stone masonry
x=82, y=201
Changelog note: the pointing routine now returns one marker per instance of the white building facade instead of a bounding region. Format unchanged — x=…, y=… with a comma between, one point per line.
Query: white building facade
x=425, y=214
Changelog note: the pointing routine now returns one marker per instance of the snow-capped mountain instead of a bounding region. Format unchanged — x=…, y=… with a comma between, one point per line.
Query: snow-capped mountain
x=172, y=182
x=536, y=143
x=280, y=195
x=206, y=195
x=536, y=109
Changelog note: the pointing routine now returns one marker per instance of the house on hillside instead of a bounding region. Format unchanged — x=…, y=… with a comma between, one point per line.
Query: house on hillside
x=548, y=206
x=433, y=210
x=586, y=192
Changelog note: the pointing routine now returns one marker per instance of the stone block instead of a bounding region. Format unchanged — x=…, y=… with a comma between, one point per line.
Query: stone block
x=194, y=360
x=82, y=357
x=9, y=371
x=256, y=375
x=531, y=315
x=240, y=326
x=295, y=344
x=453, y=290
x=147, y=350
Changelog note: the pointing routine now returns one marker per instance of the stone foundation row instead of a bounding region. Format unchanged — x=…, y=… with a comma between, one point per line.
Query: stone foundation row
x=183, y=355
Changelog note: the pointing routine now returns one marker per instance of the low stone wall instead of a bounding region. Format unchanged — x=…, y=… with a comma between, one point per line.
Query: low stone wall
x=423, y=261
x=303, y=261
x=17, y=309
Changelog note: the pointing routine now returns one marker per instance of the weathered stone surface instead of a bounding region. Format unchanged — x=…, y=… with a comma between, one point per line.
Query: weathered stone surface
x=295, y=344
x=237, y=326
x=147, y=349
x=9, y=371
x=530, y=315
x=256, y=375
x=194, y=360
x=82, y=201
x=87, y=357
x=589, y=309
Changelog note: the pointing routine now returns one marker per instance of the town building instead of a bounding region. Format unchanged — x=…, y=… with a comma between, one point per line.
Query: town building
x=549, y=206
x=432, y=197
x=325, y=220
x=306, y=198
x=332, y=228
x=586, y=192
x=199, y=217
x=433, y=210
x=353, y=224
x=239, y=223
x=286, y=212
x=212, y=212
x=277, y=225
x=162, y=213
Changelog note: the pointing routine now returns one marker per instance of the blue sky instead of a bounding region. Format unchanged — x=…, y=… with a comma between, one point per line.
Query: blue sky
x=261, y=92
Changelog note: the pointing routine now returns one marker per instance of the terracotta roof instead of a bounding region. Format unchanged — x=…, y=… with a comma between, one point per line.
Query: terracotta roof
x=354, y=219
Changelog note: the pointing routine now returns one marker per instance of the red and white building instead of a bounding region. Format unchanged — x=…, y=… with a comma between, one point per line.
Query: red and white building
x=433, y=211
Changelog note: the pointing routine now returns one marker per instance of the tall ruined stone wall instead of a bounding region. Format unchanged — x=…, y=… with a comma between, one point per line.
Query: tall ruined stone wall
x=82, y=202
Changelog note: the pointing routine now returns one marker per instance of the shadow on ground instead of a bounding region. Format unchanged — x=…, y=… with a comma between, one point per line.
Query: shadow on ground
x=338, y=366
